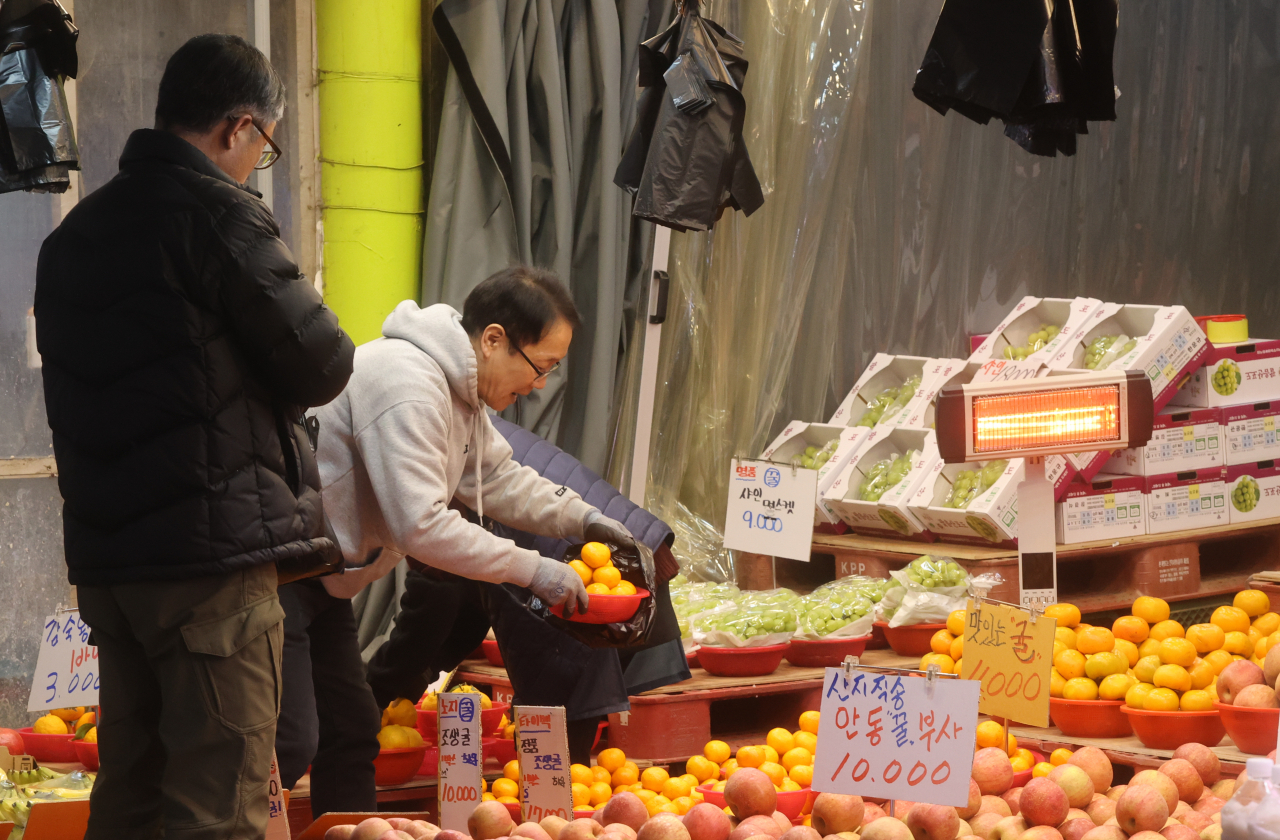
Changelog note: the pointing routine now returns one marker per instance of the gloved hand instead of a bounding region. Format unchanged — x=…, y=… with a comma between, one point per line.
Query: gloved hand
x=600, y=528
x=555, y=584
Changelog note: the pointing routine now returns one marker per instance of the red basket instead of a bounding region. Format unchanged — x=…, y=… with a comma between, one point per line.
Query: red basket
x=1170, y=730
x=87, y=753
x=395, y=767
x=492, y=653
x=500, y=749
x=606, y=609
x=692, y=658
x=742, y=662
x=430, y=762
x=878, y=641
x=911, y=640
x=1253, y=730
x=825, y=653
x=53, y=748
x=790, y=802
x=490, y=722
x=1090, y=718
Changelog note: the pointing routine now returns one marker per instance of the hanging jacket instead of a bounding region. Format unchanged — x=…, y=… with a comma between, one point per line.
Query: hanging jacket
x=408, y=434
x=179, y=345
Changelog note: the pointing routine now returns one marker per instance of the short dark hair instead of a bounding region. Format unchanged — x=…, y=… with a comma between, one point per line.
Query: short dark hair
x=212, y=77
x=523, y=300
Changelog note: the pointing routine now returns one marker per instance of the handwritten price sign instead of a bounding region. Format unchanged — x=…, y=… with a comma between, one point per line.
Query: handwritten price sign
x=1007, y=370
x=896, y=737
x=461, y=757
x=67, y=672
x=1010, y=655
x=543, y=747
x=770, y=509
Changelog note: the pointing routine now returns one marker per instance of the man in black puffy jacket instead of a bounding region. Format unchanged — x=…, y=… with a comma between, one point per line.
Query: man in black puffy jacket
x=180, y=346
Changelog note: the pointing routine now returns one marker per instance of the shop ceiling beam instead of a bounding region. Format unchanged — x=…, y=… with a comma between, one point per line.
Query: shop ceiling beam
x=369, y=58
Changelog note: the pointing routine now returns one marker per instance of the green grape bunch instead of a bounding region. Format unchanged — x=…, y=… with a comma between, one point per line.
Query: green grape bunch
x=875, y=409
x=814, y=458
x=1245, y=494
x=746, y=622
x=1035, y=341
x=932, y=572
x=970, y=484
x=905, y=394
x=823, y=616
x=1226, y=378
x=885, y=474
x=1101, y=346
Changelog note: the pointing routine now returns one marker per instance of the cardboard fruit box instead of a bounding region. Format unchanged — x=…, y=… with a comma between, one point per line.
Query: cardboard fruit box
x=1028, y=318
x=1187, y=500
x=888, y=515
x=1232, y=374
x=885, y=371
x=799, y=436
x=1181, y=439
x=1254, y=491
x=1105, y=507
x=1250, y=433
x=991, y=517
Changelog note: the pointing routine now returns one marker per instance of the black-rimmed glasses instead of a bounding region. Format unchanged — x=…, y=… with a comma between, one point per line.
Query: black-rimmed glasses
x=270, y=152
x=542, y=374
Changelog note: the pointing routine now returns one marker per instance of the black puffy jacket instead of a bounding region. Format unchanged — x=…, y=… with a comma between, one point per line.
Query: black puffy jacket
x=180, y=344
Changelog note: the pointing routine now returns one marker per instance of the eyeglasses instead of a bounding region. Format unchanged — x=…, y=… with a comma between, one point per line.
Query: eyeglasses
x=270, y=152
x=542, y=374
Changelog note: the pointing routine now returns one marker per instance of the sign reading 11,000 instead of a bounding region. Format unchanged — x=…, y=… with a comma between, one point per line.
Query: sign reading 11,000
x=770, y=509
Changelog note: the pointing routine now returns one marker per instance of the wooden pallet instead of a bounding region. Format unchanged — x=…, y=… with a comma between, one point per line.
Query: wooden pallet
x=670, y=724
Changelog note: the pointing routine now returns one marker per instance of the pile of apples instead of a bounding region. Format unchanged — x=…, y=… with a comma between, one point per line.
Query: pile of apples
x=1153, y=663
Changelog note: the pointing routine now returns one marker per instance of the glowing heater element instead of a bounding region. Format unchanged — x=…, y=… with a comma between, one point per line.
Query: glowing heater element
x=1044, y=416
x=1080, y=417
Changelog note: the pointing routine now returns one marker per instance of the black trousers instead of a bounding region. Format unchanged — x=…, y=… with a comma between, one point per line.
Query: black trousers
x=328, y=717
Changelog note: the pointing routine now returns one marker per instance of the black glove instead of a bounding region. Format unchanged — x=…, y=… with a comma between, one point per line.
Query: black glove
x=601, y=528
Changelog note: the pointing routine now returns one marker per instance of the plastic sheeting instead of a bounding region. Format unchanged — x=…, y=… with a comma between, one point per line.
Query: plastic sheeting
x=887, y=227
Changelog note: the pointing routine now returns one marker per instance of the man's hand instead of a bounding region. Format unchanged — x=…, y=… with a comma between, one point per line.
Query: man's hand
x=601, y=528
x=555, y=584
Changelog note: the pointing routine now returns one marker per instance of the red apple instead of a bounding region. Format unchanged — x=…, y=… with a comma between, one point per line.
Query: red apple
x=1142, y=808
x=933, y=822
x=1043, y=803
x=1203, y=759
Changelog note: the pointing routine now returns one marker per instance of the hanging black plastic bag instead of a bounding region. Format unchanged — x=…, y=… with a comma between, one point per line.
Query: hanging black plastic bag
x=635, y=563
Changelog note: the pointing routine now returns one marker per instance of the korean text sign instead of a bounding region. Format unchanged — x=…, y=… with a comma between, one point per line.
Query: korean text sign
x=770, y=509
x=67, y=672
x=899, y=737
x=1009, y=654
x=461, y=758
x=543, y=748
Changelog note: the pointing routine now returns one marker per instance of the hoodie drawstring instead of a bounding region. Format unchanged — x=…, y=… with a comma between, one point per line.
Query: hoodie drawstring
x=479, y=436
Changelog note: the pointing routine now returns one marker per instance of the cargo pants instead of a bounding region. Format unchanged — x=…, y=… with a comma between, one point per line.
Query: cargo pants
x=189, y=699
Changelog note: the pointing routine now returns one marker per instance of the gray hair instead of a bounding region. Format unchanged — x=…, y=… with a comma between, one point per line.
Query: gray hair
x=213, y=77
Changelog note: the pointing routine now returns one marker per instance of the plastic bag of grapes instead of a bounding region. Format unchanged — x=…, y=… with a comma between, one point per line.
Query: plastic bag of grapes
x=835, y=613
x=906, y=393
x=933, y=588
x=970, y=484
x=884, y=474
x=745, y=625
x=876, y=408
x=691, y=600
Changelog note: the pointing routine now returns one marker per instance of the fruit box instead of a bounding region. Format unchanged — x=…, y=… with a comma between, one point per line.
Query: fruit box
x=1232, y=374
x=890, y=512
x=798, y=436
x=1186, y=500
x=1181, y=439
x=991, y=517
x=885, y=371
x=1026, y=318
x=1254, y=491
x=937, y=374
x=1105, y=507
x=1249, y=433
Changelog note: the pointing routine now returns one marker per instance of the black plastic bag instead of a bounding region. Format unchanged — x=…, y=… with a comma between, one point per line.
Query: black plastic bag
x=635, y=563
x=686, y=160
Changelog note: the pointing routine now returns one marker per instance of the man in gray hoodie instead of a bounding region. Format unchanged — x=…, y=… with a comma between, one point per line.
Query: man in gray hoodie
x=409, y=433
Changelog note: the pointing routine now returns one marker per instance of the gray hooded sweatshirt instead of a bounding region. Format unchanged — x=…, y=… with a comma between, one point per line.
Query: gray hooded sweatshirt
x=409, y=434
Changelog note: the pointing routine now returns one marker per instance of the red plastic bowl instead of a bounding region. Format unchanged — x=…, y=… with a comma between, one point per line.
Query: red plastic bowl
x=492, y=653
x=607, y=609
x=878, y=641
x=742, y=662
x=430, y=762
x=790, y=802
x=395, y=767
x=490, y=722
x=825, y=653
x=501, y=749
x=911, y=640
x=55, y=748
x=1170, y=730
x=1253, y=730
x=1021, y=777
x=692, y=659
x=1090, y=718
x=87, y=753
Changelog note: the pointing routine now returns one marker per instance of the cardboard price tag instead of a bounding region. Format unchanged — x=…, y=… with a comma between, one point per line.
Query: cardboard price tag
x=67, y=672
x=770, y=509
x=896, y=737
x=1009, y=654
x=277, y=816
x=543, y=748
x=461, y=758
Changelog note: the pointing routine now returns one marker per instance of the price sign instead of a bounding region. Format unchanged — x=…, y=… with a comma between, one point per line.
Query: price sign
x=896, y=737
x=461, y=758
x=1007, y=370
x=1009, y=654
x=770, y=509
x=543, y=748
x=67, y=672
x=277, y=816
